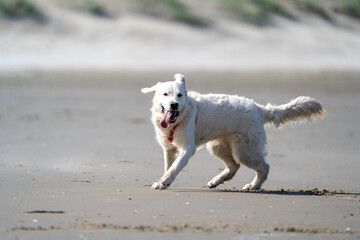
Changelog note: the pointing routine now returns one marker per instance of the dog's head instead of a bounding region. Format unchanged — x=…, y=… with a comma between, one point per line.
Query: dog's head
x=169, y=99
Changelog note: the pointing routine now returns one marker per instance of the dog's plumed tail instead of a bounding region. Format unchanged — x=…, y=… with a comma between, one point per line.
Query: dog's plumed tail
x=298, y=109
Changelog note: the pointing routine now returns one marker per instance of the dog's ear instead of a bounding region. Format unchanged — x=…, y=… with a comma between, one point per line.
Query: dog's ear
x=150, y=89
x=179, y=78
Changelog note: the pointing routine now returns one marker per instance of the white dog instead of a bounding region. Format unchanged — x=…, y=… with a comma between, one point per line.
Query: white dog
x=232, y=128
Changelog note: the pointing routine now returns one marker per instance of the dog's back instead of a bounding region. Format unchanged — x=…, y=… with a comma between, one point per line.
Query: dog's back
x=219, y=115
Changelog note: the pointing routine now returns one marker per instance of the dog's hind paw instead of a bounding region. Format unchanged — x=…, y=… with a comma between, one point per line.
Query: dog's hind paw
x=249, y=187
x=158, y=185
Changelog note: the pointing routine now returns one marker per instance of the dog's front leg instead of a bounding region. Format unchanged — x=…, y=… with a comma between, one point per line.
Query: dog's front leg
x=169, y=157
x=182, y=159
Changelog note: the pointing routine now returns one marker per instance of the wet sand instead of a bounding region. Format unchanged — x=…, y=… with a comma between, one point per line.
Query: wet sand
x=78, y=156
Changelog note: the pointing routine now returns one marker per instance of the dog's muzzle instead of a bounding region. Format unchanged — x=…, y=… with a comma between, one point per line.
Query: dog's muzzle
x=169, y=117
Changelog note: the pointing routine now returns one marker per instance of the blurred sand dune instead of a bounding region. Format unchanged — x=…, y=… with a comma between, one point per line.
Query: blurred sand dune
x=132, y=40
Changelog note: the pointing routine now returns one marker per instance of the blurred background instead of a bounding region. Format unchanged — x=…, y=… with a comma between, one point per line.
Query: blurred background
x=71, y=73
x=179, y=34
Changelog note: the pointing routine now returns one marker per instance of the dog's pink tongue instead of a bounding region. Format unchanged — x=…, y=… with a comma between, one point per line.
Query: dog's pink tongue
x=165, y=122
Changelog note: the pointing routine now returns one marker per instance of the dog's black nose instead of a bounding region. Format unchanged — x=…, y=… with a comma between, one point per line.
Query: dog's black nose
x=174, y=106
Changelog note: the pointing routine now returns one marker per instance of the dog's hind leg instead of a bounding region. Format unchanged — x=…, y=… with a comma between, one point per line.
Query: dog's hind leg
x=261, y=167
x=222, y=150
x=250, y=152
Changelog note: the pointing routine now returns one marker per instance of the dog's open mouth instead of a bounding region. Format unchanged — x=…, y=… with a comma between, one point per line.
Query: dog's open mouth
x=169, y=117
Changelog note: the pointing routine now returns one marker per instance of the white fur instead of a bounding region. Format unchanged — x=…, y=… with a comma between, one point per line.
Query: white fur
x=231, y=127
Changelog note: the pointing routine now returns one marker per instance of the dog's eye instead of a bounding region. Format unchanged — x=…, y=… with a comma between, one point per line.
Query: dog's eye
x=165, y=94
x=179, y=95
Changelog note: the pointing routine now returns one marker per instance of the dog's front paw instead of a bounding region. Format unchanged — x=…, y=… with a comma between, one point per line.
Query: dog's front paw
x=211, y=184
x=159, y=186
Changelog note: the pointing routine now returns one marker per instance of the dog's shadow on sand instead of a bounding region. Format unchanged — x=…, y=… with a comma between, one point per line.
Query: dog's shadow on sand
x=291, y=192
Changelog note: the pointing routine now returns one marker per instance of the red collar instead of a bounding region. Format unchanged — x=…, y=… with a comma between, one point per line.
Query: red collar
x=171, y=134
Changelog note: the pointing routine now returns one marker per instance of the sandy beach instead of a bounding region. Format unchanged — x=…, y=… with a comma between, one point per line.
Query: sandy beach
x=78, y=153
x=78, y=156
